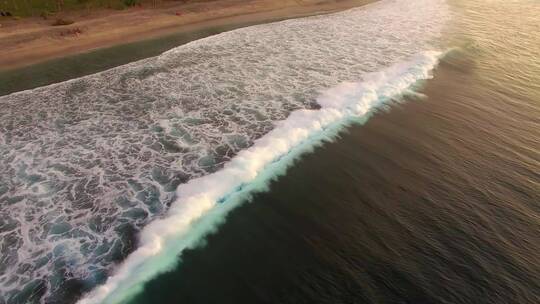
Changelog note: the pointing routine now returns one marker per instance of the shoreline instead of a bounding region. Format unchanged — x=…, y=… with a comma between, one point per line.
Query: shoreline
x=33, y=40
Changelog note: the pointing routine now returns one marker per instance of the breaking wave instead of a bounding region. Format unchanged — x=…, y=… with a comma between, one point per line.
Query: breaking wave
x=163, y=239
x=87, y=163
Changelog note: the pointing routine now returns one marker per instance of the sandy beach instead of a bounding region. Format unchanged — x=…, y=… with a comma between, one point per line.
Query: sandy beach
x=33, y=40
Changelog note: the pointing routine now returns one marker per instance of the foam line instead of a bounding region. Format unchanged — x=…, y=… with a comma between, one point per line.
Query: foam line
x=203, y=202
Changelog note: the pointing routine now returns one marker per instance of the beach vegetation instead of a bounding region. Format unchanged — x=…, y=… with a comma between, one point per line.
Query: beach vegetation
x=130, y=2
x=26, y=8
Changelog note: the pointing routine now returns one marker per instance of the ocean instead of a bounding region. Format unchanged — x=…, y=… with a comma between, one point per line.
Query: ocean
x=385, y=154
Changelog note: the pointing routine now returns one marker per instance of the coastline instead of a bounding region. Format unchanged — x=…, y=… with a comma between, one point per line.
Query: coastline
x=33, y=40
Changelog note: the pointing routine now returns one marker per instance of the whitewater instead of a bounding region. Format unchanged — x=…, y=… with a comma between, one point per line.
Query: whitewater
x=162, y=148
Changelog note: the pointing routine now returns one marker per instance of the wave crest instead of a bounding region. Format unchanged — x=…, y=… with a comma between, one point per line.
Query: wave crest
x=163, y=239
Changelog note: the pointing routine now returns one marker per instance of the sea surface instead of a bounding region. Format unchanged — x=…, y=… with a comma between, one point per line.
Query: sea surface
x=384, y=154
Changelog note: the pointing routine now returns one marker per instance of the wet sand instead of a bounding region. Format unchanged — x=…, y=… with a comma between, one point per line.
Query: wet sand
x=33, y=40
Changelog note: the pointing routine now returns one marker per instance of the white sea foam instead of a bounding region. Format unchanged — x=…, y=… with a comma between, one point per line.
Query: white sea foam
x=163, y=239
x=85, y=164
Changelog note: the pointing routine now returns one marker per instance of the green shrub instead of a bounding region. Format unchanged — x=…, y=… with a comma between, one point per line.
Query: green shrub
x=131, y=2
